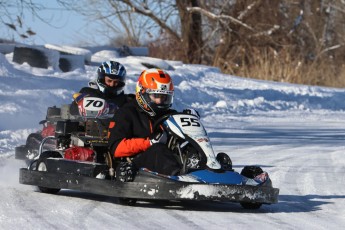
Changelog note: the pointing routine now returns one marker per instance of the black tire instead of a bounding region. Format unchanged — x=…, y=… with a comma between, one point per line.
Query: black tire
x=251, y=172
x=125, y=51
x=20, y=152
x=128, y=201
x=33, y=141
x=32, y=144
x=64, y=65
x=149, y=65
x=42, y=166
x=34, y=57
x=53, y=112
x=251, y=206
x=153, y=66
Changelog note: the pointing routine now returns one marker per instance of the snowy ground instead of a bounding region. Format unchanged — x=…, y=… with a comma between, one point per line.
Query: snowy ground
x=296, y=133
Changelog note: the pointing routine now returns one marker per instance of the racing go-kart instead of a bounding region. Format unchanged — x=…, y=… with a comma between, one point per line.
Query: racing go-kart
x=81, y=161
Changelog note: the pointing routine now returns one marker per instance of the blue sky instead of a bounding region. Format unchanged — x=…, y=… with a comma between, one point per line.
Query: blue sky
x=66, y=27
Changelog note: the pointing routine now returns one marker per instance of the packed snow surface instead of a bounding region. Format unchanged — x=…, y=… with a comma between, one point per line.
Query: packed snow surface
x=294, y=132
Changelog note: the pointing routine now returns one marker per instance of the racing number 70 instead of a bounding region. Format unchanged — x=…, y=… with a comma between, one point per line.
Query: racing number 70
x=95, y=103
x=189, y=121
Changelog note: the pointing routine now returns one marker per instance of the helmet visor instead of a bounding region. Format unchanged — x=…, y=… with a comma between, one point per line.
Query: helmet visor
x=113, y=82
x=159, y=98
x=115, y=77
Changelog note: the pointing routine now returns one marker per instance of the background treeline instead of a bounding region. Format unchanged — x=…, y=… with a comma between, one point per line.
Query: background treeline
x=289, y=41
x=297, y=41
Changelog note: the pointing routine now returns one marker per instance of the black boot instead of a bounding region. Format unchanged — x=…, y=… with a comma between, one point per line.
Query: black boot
x=125, y=171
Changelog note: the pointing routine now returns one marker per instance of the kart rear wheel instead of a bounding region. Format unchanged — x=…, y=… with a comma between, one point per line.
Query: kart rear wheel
x=127, y=201
x=32, y=145
x=21, y=152
x=251, y=172
x=34, y=140
x=42, y=166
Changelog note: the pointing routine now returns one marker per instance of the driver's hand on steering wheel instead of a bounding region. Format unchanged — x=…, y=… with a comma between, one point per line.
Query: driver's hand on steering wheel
x=160, y=137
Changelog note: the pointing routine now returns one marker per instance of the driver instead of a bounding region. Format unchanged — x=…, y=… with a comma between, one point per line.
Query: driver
x=109, y=85
x=131, y=133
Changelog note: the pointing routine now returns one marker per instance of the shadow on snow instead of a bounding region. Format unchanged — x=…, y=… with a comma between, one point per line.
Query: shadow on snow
x=286, y=204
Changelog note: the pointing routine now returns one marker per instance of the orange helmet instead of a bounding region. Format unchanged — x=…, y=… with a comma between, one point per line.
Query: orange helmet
x=153, y=84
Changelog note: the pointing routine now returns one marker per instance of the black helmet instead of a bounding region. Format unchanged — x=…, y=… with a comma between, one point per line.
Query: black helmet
x=113, y=70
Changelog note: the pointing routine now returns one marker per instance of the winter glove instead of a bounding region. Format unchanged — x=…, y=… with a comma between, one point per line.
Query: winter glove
x=160, y=137
x=192, y=112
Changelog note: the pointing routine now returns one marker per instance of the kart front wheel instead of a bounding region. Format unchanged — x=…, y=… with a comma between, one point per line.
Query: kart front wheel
x=251, y=205
x=251, y=172
x=127, y=201
x=42, y=166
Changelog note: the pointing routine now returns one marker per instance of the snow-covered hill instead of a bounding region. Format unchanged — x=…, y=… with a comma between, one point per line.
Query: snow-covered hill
x=296, y=133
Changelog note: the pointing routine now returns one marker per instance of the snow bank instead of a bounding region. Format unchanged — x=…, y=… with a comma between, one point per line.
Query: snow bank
x=104, y=55
x=71, y=50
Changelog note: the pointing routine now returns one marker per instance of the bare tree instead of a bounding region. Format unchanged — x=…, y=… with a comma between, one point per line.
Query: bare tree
x=191, y=30
x=230, y=34
x=145, y=20
x=243, y=29
x=12, y=16
x=163, y=13
x=116, y=20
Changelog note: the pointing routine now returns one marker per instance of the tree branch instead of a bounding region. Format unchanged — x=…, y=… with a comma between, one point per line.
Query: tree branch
x=266, y=32
x=218, y=17
x=248, y=9
x=148, y=13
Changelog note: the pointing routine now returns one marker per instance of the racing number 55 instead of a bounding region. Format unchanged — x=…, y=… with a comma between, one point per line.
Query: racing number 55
x=189, y=121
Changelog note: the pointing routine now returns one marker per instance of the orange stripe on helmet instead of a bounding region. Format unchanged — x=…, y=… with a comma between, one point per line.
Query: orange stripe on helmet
x=150, y=78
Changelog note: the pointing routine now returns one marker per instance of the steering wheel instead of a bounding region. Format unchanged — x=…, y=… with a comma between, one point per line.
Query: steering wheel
x=160, y=120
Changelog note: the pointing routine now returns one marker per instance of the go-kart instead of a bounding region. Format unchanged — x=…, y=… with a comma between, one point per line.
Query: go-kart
x=86, y=128
x=75, y=164
x=29, y=151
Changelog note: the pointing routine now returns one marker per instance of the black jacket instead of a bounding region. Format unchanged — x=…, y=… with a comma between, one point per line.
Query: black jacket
x=118, y=100
x=130, y=130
